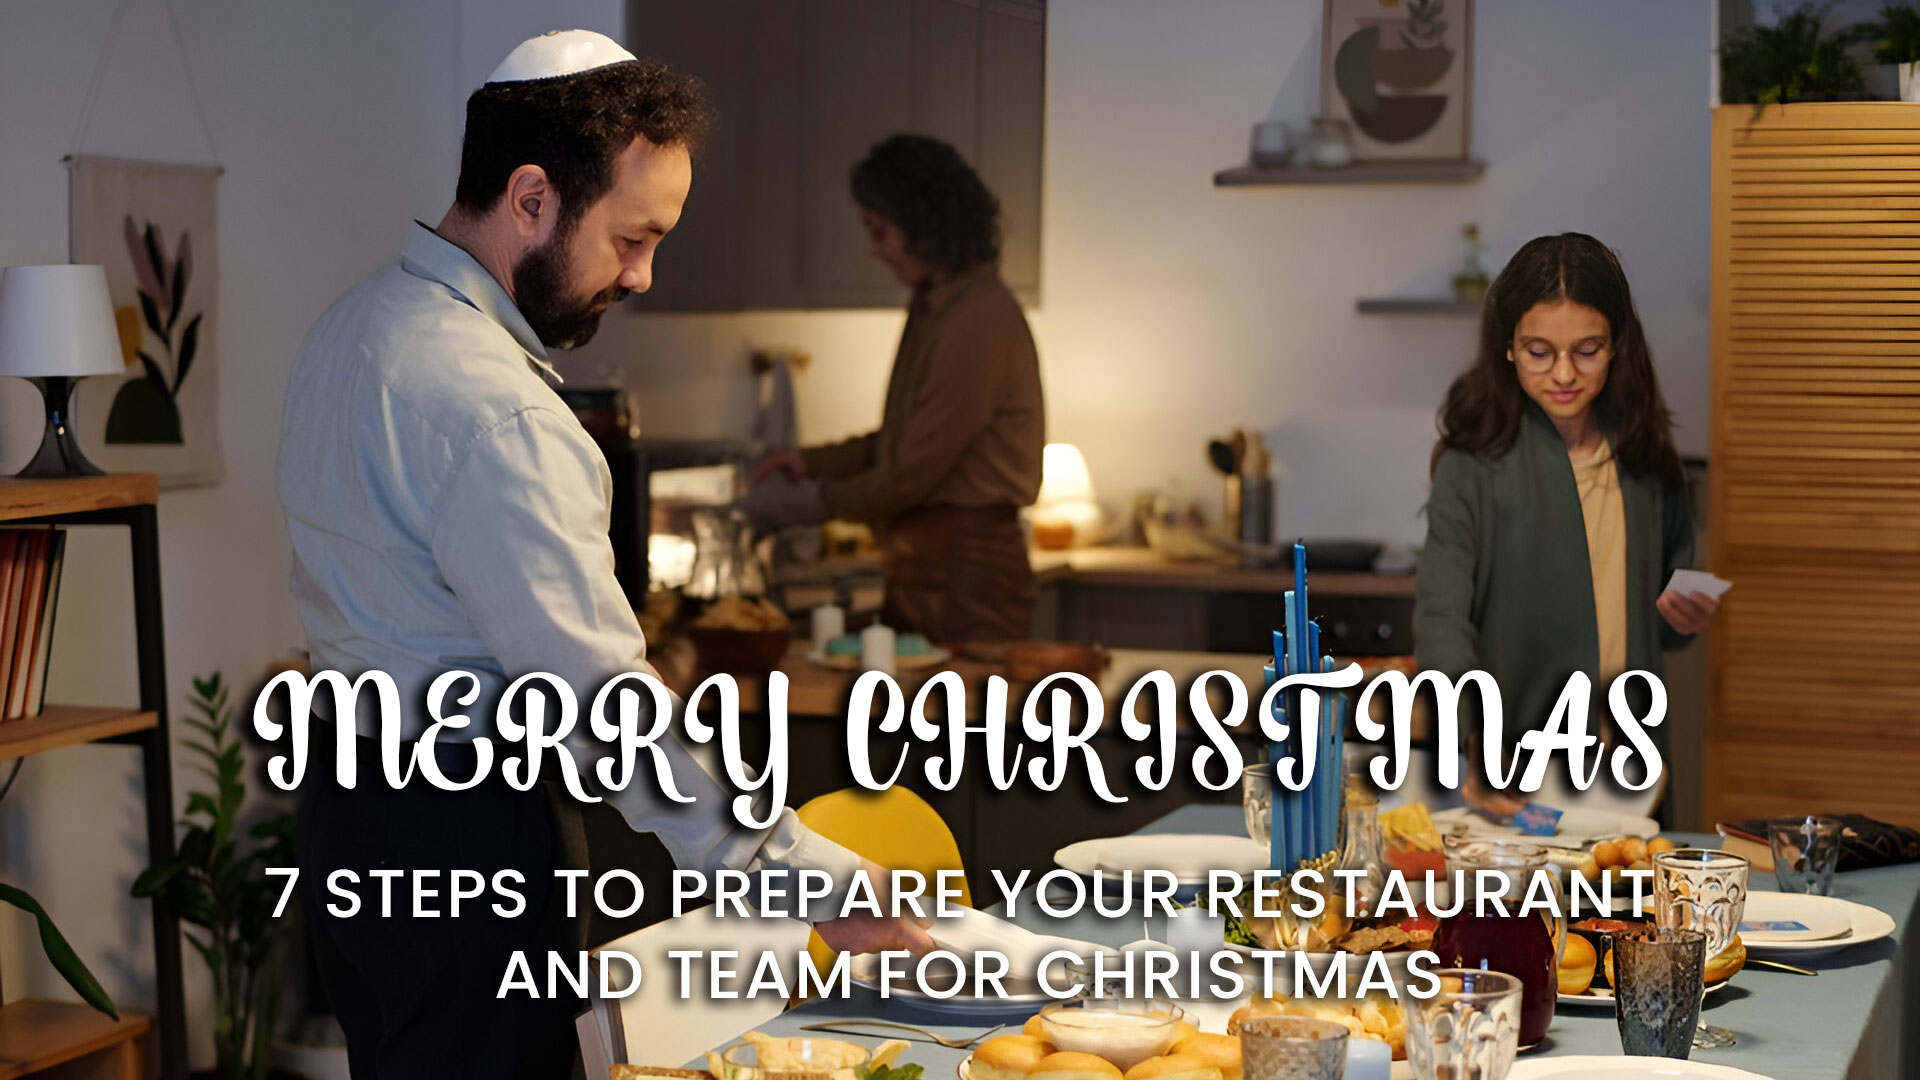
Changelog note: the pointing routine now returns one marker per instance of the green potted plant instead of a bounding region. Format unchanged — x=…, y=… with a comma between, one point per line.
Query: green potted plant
x=219, y=885
x=1896, y=40
x=65, y=960
x=1794, y=60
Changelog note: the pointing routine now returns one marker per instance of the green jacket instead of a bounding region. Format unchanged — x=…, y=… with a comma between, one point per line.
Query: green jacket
x=1505, y=584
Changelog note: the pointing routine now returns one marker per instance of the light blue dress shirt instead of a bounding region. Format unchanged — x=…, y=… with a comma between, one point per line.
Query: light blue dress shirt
x=448, y=512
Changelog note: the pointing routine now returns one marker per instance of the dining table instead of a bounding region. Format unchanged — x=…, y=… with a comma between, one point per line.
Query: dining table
x=1858, y=1018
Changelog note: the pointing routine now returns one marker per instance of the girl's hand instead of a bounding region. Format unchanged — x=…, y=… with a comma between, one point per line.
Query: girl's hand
x=1688, y=613
x=1481, y=797
x=786, y=460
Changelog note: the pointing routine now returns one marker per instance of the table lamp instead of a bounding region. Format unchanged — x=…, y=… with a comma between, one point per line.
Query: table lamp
x=56, y=326
x=1064, y=513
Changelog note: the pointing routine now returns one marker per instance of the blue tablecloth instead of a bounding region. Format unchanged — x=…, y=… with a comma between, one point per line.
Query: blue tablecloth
x=1854, y=1020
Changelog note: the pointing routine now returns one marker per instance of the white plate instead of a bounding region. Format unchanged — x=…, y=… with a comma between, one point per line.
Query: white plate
x=864, y=973
x=1188, y=856
x=1601, y=997
x=1621, y=1067
x=1864, y=923
x=1578, y=825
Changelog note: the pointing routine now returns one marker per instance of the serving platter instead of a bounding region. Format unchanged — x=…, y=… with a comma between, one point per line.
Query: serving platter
x=934, y=657
x=1579, y=825
x=1621, y=1067
x=1188, y=856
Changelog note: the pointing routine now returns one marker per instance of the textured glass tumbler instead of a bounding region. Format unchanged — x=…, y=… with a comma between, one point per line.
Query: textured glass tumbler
x=1256, y=802
x=1293, y=1048
x=1470, y=1030
x=1658, y=978
x=1805, y=851
x=1699, y=889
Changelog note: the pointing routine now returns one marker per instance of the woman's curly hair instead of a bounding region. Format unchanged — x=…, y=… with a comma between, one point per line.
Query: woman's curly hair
x=924, y=186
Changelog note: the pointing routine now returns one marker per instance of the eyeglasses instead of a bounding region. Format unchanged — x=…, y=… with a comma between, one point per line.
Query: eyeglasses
x=1586, y=356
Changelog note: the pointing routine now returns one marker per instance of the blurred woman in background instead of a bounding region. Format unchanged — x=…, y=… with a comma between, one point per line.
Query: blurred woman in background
x=958, y=450
x=1558, y=509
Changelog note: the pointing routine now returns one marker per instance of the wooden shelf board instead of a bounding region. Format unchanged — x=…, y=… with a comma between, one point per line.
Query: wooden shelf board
x=42, y=498
x=36, y=1035
x=1401, y=305
x=68, y=725
x=1411, y=172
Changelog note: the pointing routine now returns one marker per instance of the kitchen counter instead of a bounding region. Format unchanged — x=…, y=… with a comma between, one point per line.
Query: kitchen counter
x=1141, y=566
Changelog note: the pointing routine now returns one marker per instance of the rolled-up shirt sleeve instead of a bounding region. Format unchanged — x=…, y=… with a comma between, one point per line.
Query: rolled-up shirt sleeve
x=520, y=535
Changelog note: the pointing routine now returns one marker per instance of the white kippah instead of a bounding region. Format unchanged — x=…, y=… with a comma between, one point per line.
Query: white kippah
x=557, y=53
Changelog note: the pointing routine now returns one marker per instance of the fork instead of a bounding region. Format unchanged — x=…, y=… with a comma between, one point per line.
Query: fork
x=839, y=1026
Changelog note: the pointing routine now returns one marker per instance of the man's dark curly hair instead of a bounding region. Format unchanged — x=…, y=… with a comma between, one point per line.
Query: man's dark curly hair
x=924, y=186
x=574, y=126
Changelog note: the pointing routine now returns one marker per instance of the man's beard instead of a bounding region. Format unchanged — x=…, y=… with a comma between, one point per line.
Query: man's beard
x=540, y=290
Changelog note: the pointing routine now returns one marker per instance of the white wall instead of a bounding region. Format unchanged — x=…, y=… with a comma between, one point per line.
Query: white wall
x=1172, y=311
x=334, y=123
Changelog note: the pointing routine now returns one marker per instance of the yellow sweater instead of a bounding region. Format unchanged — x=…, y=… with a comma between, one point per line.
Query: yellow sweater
x=1600, y=504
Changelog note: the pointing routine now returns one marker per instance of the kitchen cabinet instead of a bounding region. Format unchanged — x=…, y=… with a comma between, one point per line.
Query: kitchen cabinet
x=801, y=90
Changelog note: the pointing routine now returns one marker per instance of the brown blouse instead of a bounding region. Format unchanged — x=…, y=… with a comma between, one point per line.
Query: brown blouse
x=965, y=422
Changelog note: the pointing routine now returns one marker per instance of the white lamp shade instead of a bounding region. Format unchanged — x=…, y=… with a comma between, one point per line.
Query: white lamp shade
x=1064, y=476
x=57, y=320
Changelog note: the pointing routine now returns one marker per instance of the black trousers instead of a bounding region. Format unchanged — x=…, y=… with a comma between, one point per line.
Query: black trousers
x=417, y=996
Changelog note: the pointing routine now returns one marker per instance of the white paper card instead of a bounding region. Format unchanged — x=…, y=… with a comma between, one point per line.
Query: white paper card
x=1692, y=581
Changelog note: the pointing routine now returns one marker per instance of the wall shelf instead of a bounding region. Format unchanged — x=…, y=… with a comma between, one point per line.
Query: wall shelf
x=1415, y=305
x=1411, y=172
x=68, y=725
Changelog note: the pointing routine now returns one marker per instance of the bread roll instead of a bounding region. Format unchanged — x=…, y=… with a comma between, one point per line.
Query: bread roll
x=1731, y=959
x=1173, y=1067
x=1068, y=1065
x=1032, y=1027
x=1220, y=1051
x=1008, y=1057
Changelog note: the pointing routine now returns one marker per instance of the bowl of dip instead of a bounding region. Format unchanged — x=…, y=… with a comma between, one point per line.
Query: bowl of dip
x=1123, y=1032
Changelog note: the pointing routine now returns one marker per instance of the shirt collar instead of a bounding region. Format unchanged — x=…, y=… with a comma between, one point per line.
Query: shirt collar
x=434, y=257
x=932, y=298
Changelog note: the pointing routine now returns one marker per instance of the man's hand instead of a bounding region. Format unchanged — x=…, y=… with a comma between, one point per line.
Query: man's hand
x=787, y=460
x=865, y=933
x=1688, y=613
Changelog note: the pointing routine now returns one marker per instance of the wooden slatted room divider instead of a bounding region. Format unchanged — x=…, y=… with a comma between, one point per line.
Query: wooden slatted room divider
x=1814, y=699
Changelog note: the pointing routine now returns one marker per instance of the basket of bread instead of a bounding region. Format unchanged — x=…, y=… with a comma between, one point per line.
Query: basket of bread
x=740, y=635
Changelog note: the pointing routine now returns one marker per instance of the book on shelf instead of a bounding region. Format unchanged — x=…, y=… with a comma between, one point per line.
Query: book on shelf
x=30, y=564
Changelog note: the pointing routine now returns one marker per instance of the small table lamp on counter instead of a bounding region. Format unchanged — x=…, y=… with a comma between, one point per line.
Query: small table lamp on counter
x=56, y=326
x=1064, y=514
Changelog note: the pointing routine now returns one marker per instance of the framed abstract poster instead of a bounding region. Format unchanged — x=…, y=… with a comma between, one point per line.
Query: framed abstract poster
x=1399, y=73
x=153, y=227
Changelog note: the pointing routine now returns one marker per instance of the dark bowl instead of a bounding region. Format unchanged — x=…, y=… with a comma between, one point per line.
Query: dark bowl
x=740, y=652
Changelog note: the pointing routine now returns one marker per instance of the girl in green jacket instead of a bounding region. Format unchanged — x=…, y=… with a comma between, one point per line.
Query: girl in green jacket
x=1558, y=508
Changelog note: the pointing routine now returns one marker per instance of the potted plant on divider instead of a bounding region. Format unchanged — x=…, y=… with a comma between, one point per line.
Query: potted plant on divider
x=65, y=960
x=1896, y=40
x=1794, y=60
x=216, y=884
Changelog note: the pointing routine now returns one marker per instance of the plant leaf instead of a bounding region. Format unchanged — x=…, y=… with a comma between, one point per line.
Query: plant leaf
x=189, y=347
x=153, y=369
x=179, y=287
x=157, y=259
x=200, y=803
x=65, y=960
x=137, y=254
x=150, y=312
x=155, y=878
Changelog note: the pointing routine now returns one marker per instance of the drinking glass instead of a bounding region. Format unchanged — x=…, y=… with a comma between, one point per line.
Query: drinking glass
x=1699, y=889
x=1805, y=851
x=1256, y=800
x=1470, y=1030
x=1658, y=979
x=1293, y=1048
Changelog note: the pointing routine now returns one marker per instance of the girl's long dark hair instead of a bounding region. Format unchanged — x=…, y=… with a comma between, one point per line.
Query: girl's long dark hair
x=1485, y=405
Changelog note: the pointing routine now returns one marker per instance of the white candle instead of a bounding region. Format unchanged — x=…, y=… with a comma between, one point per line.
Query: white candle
x=876, y=648
x=829, y=622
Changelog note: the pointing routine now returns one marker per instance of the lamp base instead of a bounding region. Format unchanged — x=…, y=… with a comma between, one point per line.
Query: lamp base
x=59, y=453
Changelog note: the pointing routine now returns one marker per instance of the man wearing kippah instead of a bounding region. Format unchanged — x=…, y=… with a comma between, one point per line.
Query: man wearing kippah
x=448, y=511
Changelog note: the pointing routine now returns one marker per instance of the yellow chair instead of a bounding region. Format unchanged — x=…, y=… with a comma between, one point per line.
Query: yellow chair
x=894, y=828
